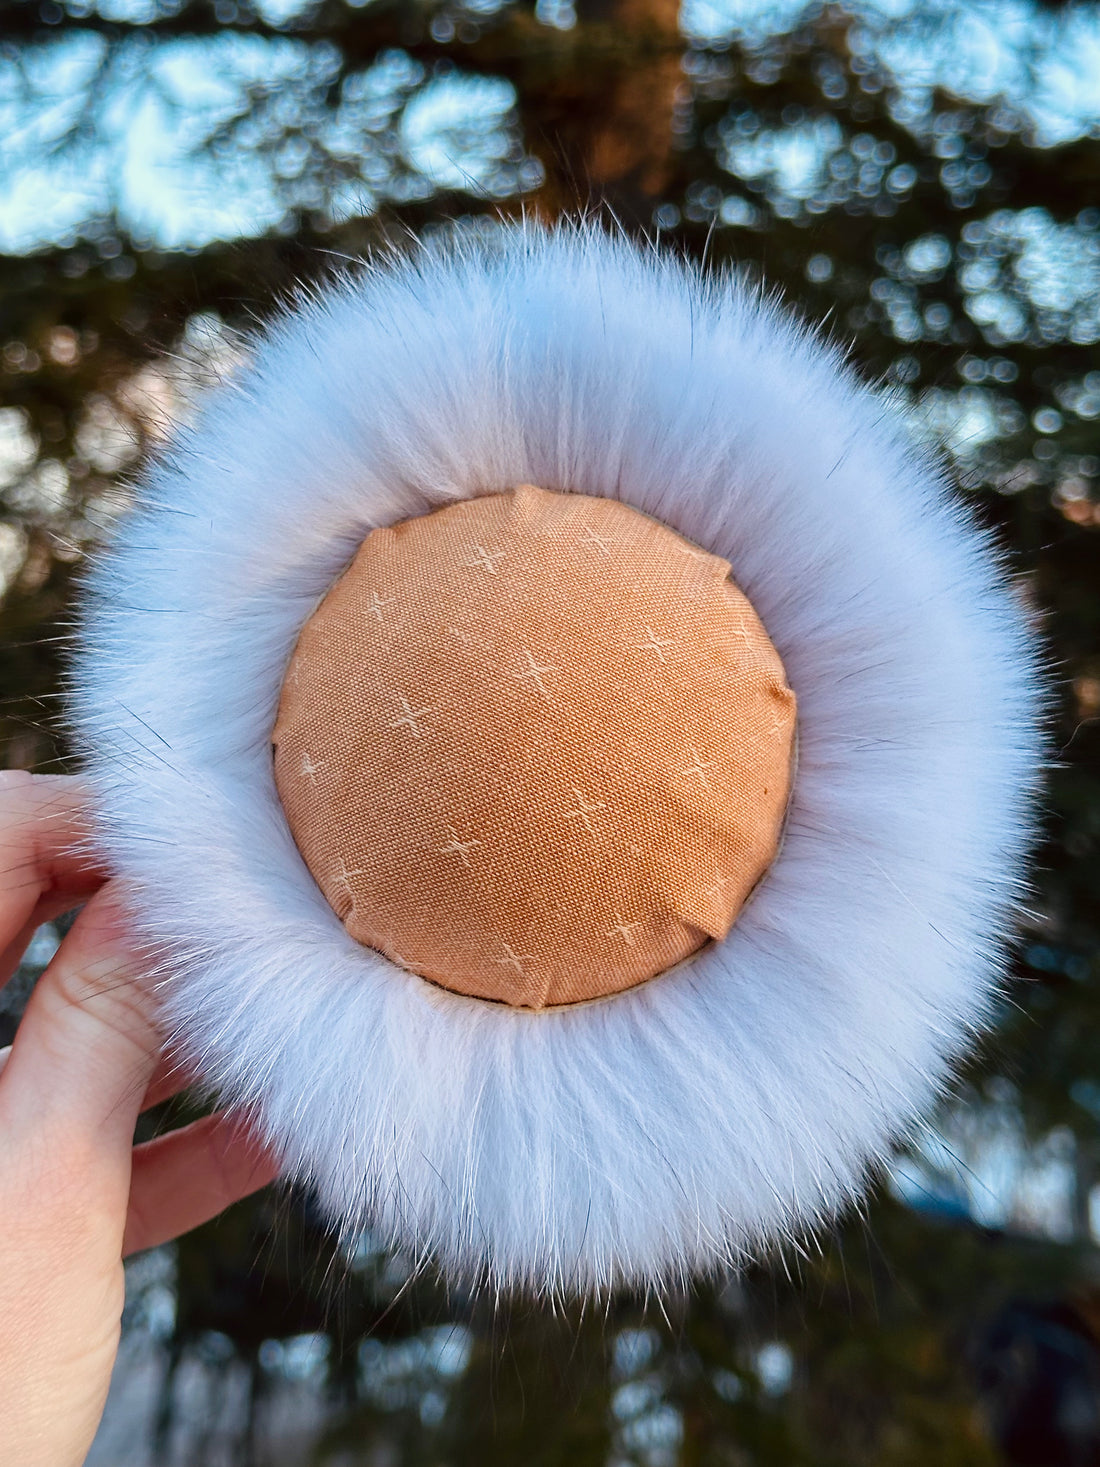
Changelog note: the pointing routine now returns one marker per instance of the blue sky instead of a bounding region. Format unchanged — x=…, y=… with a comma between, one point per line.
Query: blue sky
x=145, y=110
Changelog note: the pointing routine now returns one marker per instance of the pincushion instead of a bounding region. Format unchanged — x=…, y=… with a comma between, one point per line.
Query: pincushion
x=535, y=747
x=374, y=444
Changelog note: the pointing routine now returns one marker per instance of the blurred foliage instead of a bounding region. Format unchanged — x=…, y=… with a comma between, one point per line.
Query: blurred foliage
x=948, y=229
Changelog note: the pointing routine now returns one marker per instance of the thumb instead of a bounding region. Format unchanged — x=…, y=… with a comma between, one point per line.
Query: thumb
x=88, y=1043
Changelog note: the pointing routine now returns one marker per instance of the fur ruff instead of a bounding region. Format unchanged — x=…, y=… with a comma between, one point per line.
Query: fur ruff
x=741, y=1098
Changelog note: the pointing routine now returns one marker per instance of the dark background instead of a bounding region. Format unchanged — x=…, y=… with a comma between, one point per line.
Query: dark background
x=925, y=179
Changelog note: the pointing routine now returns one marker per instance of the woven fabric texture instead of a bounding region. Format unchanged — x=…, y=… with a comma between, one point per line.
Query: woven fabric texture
x=535, y=747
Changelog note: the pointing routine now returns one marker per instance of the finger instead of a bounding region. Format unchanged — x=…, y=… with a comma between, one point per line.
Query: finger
x=188, y=1176
x=170, y=1078
x=87, y=1046
x=12, y=955
x=47, y=909
x=45, y=848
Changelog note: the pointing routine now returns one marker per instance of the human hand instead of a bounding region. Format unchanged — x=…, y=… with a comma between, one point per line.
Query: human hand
x=76, y=1195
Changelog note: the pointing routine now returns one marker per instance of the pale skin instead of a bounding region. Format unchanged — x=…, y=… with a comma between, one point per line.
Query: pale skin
x=76, y=1194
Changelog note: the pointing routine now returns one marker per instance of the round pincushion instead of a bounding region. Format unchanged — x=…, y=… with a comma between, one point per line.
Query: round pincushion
x=466, y=794
x=490, y=866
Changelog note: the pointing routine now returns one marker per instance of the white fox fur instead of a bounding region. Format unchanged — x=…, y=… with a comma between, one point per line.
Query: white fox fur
x=740, y=1098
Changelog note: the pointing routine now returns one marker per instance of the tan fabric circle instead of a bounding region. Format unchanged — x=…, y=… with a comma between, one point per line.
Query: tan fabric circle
x=535, y=747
